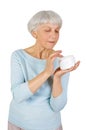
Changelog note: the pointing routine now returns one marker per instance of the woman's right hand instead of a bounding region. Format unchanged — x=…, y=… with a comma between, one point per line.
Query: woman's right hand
x=50, y=62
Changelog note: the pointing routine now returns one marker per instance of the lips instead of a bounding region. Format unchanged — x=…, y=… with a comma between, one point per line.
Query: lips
x=51, y=41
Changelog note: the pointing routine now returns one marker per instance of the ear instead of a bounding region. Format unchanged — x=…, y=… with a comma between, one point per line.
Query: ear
x=34, y=34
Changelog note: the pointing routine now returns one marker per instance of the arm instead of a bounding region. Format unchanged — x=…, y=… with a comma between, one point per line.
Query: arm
x=59, y=93
x=36, y=83
x=19, y=87
x=51, y=66
x=23, y=90
x=59, y=90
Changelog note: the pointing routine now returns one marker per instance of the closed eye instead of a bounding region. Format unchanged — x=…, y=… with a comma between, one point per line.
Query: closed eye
x=47, y=30
x=57, y=31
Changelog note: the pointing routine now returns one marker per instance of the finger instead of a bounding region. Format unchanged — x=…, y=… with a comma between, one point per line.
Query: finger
x=72, y=68
x=60, y=56
x=68, y=70
x=56, y=54
x=76, y=65
x=59, y=51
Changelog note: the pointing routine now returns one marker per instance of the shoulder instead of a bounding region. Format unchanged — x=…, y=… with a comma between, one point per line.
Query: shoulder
x=16, y=54
x=16, y=51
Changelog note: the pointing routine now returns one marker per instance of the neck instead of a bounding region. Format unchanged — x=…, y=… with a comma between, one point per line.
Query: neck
x=39, y=51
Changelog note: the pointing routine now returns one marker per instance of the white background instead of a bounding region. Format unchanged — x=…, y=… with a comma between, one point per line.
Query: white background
x=14, y=15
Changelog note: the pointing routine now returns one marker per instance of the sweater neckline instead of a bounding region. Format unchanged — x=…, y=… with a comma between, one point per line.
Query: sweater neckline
x=32, y=57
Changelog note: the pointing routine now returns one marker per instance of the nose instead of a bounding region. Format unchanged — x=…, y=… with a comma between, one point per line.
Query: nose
x=53, y=35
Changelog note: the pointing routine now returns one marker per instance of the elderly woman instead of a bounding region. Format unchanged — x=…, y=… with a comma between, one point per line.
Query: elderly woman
x=38, y=85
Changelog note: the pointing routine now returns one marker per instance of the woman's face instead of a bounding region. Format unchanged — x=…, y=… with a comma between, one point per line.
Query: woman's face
x=47, y=35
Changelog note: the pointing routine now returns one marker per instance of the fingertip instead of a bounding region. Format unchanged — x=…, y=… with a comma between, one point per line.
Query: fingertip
x=59, y=51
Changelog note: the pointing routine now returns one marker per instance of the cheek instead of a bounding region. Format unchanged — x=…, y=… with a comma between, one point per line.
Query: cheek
x=44, y=37
x=57, y=37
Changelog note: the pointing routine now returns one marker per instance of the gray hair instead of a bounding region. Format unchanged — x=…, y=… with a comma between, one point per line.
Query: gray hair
x=43, y=17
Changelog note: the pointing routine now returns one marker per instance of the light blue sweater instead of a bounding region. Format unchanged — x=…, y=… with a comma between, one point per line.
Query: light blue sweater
x=39, y=111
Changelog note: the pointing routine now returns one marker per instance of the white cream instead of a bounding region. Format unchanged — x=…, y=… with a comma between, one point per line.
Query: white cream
x=67, y=62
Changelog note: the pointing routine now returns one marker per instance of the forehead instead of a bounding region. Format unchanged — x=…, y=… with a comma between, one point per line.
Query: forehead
x=49, y=25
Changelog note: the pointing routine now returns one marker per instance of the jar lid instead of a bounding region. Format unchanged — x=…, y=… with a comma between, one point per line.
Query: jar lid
x=67, y=62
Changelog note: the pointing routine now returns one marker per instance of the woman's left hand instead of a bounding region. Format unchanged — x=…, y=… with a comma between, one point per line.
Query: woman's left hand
x=58, y=73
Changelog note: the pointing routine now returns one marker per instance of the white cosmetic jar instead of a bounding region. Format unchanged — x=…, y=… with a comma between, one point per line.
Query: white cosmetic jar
x=67, y=62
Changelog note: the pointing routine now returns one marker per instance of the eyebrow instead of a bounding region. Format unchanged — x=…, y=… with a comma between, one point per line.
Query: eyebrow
x=49, y=27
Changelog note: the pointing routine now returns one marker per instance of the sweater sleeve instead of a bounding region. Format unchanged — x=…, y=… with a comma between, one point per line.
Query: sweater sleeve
x=19, y=87
x=59, y=102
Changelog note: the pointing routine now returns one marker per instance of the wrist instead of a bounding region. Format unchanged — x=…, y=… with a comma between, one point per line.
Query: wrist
x=56, y=78
x=48, y=74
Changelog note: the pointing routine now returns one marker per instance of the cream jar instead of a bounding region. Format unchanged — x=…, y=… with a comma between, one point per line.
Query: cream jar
x=67, y=62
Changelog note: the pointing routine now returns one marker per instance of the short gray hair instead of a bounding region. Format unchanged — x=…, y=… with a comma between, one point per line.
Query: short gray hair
x=44, y=17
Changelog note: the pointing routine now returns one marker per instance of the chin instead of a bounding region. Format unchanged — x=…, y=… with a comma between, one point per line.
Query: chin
x=50, y=47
